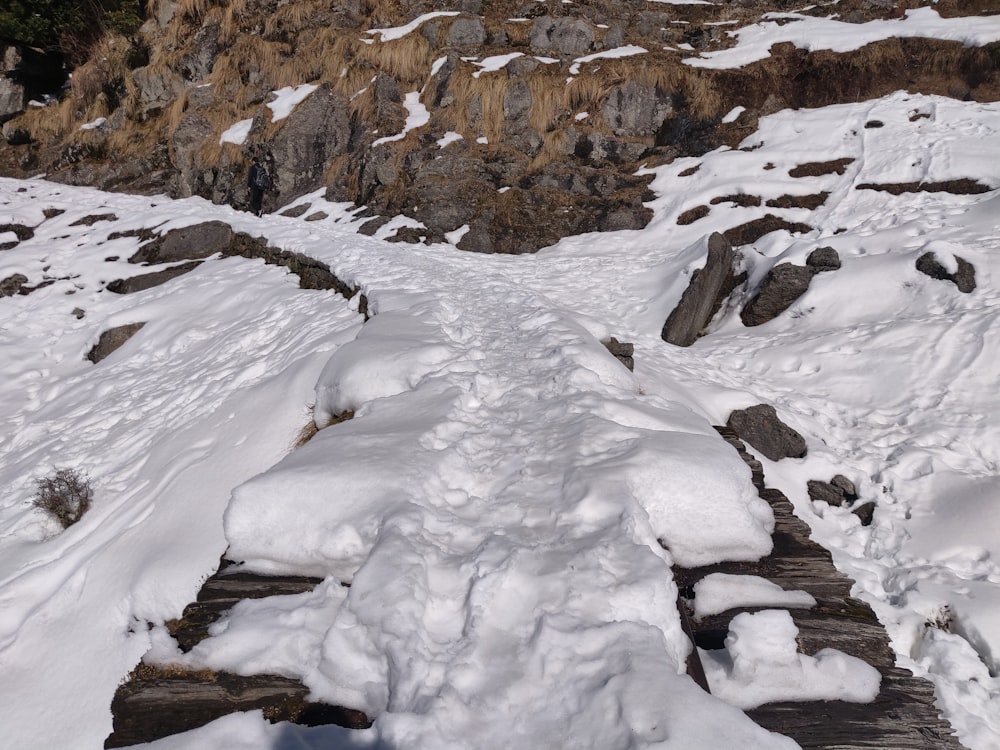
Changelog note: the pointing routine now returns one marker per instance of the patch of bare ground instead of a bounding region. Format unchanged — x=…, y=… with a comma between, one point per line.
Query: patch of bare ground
x=693, y=214
x=811, y=202
x=820, y=168
x=739, y=199
x=21, y=231
x=752, y=231
x=89, y=221
x=964, y=186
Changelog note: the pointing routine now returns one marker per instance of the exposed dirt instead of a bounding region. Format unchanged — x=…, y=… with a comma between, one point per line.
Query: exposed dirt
x=811, y=202
x=820, y=168
x=693, y=214
x=752, y=231
x=964, y=186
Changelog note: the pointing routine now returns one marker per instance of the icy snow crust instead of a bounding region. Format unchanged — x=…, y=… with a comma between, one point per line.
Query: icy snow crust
x=497, y=500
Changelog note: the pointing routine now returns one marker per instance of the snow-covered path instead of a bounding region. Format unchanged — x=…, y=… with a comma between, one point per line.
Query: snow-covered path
x=497, y=500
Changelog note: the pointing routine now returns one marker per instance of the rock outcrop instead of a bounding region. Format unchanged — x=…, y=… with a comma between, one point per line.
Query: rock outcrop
x=704, y=294
x=517, y=124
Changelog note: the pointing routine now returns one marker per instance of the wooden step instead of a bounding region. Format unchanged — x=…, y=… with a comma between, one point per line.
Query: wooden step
x=155, y=703
x=902, y=717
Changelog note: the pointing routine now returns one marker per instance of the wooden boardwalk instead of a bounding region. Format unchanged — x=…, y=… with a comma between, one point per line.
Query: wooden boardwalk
x=155, y=703
x=158, y=702
x=903, y=716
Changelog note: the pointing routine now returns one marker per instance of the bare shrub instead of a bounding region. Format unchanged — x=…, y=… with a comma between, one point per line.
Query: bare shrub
x=65, y=495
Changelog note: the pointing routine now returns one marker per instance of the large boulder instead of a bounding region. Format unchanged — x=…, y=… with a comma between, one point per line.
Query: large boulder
x=760, y=427
x=565, y=36
x=704, y=294
x=466, y=32
x=12, y=94
x=636, y=109
x=186, y=243
x=782, y=286
x=316, y=131
x=156, y=89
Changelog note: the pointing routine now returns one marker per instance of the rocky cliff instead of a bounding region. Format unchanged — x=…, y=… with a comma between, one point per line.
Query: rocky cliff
x=503, y=125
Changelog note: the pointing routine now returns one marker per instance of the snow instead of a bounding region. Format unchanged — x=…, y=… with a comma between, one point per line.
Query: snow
x=288, y=98
x=734, y=114
x=417, y=117
x=492, y=64
x=398, y=32
x=609, y=54
x=809, y=33
x=450, y=137
x=94, y=124
x=498, y=501
x=237, y=133
x=718, y=592
x=760, y=664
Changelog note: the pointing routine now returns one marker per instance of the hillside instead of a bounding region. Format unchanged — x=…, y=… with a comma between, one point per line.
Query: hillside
x=493, y=489
x=516, y=123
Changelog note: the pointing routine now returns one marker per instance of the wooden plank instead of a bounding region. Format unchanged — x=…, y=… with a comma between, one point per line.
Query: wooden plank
x=903, y=716
x=156, y=703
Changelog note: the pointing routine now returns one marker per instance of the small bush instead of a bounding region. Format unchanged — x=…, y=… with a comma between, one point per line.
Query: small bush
x=65, y=495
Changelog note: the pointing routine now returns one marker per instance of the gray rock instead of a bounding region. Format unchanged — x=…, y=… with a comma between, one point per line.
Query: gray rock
x=192, y=132
x=315, y=132
x=204, y=48
x=156, y=88
x=12, y=99
x=150, y=280
x=466, y=32
x=636, y=109
x=613, y=37
x=824, y=259
x=825, y=492
x=964, y=278
x=187, y=243
x=846, y=486
x=566, y=36
x=622, y=351
x=703, y=295
x=112, y=339
x=296, y=211
x=761, y=428
x=165, y=12
x=516, y=106
x=782, y=286
x=13, y=285
x=865, y=512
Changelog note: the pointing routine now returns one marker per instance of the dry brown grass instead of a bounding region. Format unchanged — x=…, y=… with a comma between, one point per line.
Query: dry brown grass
x=193, y=10
x=553, y=150
x=518, y=33
x=407, y=59
x=485, y=93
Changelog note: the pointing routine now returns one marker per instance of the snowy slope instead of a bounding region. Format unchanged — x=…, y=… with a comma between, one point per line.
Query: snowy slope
x=497, y=499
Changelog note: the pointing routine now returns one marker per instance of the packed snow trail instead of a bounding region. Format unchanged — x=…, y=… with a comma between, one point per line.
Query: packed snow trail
x=467, y=359
x=495, y=503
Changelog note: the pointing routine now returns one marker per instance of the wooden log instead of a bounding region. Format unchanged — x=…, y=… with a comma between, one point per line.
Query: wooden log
x=902, y=717
x=156, y=703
